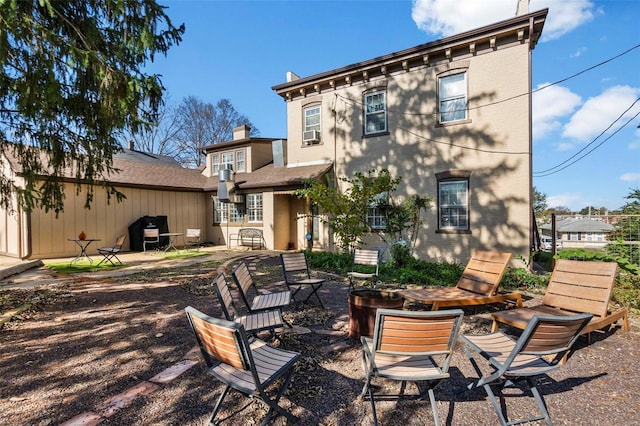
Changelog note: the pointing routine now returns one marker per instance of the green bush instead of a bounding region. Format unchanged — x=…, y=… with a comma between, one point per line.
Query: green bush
x=627, y=290
x=599, y=256
x=522, y=278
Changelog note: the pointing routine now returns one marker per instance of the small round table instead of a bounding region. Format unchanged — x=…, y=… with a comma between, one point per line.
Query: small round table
x=83, y=244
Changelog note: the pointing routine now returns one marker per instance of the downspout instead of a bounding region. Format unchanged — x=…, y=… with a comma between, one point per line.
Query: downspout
x=530, y=96
x=29, y=247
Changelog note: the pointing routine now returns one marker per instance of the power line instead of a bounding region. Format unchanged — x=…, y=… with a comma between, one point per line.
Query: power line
x=594, y=148
x=451, y=144
x=543, y=173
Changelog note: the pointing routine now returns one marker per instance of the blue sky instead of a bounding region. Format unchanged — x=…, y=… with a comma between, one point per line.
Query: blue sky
x=239, y=49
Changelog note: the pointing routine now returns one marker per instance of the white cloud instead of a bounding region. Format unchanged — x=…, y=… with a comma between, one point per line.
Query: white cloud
x=578, y=52
x=550, y=104
x=630, y=177
x=447, y=17
x=574, y=201
x=564, y=16
x=599, y=112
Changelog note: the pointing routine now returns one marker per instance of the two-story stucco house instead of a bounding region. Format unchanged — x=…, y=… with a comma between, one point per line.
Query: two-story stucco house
x=452, y=117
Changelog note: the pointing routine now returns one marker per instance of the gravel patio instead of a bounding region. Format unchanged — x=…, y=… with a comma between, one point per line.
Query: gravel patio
x=118, y=350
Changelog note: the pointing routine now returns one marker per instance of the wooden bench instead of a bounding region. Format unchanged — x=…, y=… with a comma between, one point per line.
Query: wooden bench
x=251, y=237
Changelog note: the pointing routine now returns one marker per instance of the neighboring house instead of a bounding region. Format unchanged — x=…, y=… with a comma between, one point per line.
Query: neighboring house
x=452, y=117
x=579, y=232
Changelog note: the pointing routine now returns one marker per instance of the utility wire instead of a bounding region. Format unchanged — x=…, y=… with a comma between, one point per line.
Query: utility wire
x=542, y=172
x=593, y=149
x=451, y=144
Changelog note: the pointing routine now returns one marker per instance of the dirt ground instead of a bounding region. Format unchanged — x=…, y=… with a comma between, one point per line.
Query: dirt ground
x=87, y=340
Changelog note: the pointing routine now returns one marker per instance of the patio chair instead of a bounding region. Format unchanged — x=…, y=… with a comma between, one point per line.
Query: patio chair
x=245, y=364
x=261, y=301
x=364, y=257
x=539, y=350
x=410, y=346
x=253, y=323
x=150, y=236
x=192, y=238
x=109, y=253
x=478, y=285
x=297, y=275
x=574, y=287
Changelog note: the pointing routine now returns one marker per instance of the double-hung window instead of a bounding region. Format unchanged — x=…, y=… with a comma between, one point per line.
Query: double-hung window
x=227, y=160
x=240, y=163
x=375, y=112
x=236, y=212
x=220, y=212
x=254, y=207
x=452, y=97
x=453, y=204
x=312, y=123
x=375, y=215
x=215, y=165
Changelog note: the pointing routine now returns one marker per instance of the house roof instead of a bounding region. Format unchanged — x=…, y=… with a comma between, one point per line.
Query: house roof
x=156, y=173
x=523, y=27
x=237, y=142
x=572, y=224
x=145, y=157
x=270, y=176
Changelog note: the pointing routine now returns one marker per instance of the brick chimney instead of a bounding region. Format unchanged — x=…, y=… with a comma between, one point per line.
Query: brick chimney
x=241, y=132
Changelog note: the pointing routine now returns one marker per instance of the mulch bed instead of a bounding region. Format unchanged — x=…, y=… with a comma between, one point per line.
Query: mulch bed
x=81, y=343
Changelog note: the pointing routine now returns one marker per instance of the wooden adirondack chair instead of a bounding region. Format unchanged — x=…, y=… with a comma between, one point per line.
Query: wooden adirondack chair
x=574, y=287
x=478, y=285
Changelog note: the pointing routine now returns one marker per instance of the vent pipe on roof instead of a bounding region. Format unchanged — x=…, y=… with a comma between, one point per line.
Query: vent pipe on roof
x=131, y=145
x=291, y=76
x=226, y=184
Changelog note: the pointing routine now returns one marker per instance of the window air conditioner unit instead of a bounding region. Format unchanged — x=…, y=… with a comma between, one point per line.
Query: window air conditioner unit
x=311, y=136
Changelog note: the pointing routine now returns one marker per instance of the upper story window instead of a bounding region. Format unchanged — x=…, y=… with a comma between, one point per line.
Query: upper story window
x=240, y=162
x=452, y=97
x=226, y=160
x=312, y=124
x=375, y=112
x=254, y=207
x=215, y=165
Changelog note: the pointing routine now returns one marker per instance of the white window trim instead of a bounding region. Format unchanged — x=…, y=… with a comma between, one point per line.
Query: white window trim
x=244, y=161
x=465, y=96
x=252, y=212
x=367, y=114
x=220, y=211
x=464, y=206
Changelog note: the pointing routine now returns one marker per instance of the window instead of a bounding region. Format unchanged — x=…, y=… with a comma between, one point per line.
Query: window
x=227, y=160
x=452, y=95
x=375, y=113
x=375, y=215
x=312, y=118
x=220, y=212
x=254, y=207
x=236, y=212
x=240, y=161
x=215, y=166
x=453, y=204
x=375, y=218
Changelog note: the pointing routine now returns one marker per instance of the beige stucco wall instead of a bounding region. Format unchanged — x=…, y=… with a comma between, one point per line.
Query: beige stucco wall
x=105, y=221
x=494, y=145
